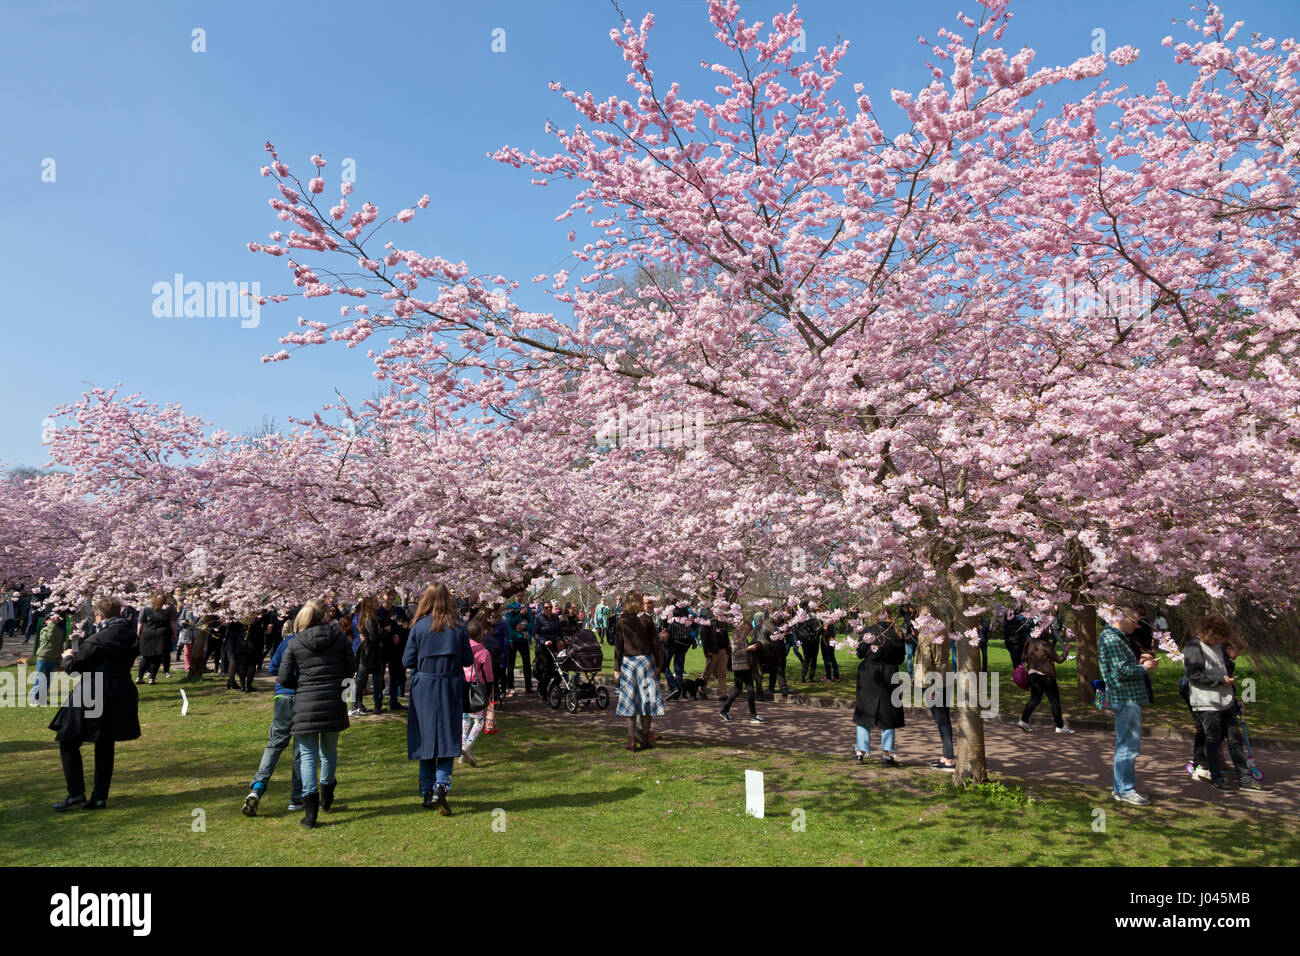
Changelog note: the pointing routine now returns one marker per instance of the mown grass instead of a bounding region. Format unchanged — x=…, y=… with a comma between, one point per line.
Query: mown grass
x=1275, y=713
x=568, y=794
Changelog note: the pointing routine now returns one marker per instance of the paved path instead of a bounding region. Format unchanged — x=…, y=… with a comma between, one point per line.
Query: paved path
x=1083, y=758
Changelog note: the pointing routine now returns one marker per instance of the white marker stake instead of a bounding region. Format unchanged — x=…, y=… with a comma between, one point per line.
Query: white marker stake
x=754, y=793
x=185, y=704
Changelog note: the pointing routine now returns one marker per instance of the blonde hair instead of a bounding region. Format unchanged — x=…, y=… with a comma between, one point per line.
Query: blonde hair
x=312, y=613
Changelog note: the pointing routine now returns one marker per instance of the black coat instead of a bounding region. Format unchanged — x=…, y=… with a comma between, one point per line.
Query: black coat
x=880, y=660
x=314, y=666
x=156, y=633
x=109, y=652
x=372, y=649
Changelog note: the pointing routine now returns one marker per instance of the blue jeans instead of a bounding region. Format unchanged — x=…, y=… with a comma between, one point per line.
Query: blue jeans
x=1128, y=744
x=319, y=754
x=792, y=645
x=435, y=772
x=276, y=740
x=886, y=740
x=41, y=682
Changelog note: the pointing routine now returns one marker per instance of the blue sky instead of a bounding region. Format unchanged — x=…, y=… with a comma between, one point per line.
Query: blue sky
x=156, y=150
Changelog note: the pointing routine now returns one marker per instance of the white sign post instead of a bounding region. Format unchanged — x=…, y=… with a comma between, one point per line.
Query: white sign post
x=754, y=793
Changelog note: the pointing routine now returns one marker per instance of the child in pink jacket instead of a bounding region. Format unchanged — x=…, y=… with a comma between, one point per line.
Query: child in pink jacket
x=479, y=673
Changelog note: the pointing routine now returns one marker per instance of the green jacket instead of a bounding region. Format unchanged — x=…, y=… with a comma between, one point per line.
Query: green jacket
x=50, y=643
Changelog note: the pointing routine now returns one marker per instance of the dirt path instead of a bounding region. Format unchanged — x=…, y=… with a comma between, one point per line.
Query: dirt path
x=1083, y=758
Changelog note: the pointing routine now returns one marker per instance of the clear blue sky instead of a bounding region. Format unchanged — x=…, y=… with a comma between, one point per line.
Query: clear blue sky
x=157, y=149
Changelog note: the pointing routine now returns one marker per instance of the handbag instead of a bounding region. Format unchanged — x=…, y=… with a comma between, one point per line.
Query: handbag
x=477, y=696
x=1020, y=677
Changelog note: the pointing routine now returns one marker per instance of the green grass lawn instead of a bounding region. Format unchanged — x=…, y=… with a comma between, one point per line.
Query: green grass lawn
x=1275, y=712
x=567, y=793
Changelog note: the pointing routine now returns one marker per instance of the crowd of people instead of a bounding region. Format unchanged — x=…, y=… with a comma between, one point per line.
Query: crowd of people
x=456, y=662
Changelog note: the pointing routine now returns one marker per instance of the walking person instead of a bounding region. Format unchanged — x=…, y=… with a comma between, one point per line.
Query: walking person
x=480, y=672
x=931, y=667
x=156, y=627
x=1213, y=701
x=104, y=660
x=315, y=663
x=277, y=738
x=437, y=653
x=1040, y=659
x=519, y=620
x=742, y=645
x=714, y=639
x=679, y=642
x=881, y=651
x=1127, y=693
x=638, y=657
x=371, y=655
x=49, y=648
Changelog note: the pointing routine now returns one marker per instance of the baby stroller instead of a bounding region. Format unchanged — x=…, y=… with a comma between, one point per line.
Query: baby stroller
x=576, y=667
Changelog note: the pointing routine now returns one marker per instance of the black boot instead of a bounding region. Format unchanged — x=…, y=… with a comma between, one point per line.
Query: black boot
x=440, y=800
x=327, y=796
x=311, y=804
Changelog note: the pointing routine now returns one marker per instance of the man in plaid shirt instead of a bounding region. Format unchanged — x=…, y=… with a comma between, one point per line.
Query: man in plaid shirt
x=1126, y=695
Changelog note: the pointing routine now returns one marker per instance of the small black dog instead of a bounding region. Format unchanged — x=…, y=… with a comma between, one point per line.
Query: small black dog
x=695, y=688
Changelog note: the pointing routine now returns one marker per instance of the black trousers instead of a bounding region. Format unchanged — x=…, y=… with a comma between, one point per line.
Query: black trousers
x=1039, y=685
x=809, y=669
x=519, y=647
x=74, y=772
x=150, y=665
x=744, y=681
x=1216, y=725
x=359, y=688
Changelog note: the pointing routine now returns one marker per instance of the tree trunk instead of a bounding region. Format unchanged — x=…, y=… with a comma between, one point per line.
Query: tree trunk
x=971, y=765
x=1087, y=667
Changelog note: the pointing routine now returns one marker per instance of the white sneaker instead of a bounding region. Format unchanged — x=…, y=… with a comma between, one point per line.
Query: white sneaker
x=1065, y=729
x=1201, y=774
x=1132, y=797
x=1023, y=726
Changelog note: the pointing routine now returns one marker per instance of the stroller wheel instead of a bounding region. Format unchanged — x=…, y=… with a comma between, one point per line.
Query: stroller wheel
x=555, y=695
x=1190, y=768
x=1256, y=772
x=571, y=701
x=602, y=698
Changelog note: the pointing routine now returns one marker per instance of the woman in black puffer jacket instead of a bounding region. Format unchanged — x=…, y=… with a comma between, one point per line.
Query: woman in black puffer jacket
x=315, y=664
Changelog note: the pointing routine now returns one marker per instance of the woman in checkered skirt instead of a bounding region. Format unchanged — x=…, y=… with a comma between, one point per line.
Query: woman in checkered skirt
x=638, y=658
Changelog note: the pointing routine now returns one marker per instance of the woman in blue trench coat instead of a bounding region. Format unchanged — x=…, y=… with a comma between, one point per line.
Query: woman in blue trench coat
x=437, y=651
